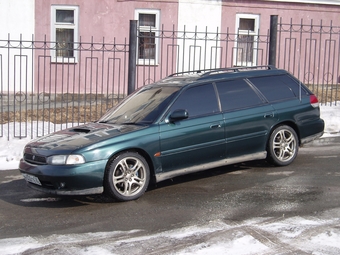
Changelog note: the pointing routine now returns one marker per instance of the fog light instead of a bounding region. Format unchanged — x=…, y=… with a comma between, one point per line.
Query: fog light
x=62, y=185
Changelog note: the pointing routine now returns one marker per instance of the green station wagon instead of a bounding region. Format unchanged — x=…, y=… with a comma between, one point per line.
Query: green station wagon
x=184, y=123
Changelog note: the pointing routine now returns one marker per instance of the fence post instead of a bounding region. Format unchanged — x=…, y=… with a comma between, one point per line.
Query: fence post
x=132, y=56
x=273, y=39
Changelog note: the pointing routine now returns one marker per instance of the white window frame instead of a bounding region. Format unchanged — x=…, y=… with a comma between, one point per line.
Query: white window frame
x=155, y=29
x=254, y=33
x=55, y=25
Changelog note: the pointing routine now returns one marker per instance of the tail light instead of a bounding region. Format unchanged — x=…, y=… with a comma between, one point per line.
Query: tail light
x=314, y=101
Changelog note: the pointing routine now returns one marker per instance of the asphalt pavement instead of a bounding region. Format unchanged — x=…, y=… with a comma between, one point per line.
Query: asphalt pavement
x=242, y=197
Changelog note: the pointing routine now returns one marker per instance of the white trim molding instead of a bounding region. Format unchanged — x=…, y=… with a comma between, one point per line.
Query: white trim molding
x=328, y=2
x=151, y=57
x=73, y=25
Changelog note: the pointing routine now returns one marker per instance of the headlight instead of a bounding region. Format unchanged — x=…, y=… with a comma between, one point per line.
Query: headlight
x=65, y=160
x=75, y=159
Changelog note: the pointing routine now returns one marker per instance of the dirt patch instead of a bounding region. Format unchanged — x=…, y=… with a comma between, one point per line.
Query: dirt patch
x=326, y=94
x=87, y=113
x=61, y=115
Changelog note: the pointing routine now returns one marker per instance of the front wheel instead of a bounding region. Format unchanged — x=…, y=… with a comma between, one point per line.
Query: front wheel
x=282, y=146
x=127, y=177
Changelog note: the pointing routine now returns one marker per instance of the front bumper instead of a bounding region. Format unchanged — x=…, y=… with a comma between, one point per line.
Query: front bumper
x=81, y=179
x=63, y=192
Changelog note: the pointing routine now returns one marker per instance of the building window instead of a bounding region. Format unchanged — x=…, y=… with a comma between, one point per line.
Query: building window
x=148, y=31
x=247, y=27
x=64, y=32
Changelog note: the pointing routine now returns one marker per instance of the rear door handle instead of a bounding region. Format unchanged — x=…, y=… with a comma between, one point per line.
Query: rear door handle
x=215, y=126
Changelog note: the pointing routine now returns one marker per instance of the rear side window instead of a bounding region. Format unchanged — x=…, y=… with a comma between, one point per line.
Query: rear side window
x=237, y=94
x=276, y=88
x=199, y=100
x=294, y=84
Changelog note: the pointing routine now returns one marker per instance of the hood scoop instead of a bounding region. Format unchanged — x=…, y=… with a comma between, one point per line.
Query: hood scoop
x=81, y=130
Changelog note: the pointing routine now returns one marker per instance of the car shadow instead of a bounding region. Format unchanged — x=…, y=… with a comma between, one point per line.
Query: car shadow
x=256, y=164
x=16, y=191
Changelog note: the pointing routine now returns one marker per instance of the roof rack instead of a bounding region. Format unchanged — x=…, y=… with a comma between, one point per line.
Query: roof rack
x=206, y=72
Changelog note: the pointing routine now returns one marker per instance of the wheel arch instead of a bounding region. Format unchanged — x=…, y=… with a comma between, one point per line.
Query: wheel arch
x=286, y=151
x=142, y=152
x=291, y=124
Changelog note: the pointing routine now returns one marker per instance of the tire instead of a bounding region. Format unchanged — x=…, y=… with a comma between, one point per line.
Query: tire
x=282, y=146
x=127, y=177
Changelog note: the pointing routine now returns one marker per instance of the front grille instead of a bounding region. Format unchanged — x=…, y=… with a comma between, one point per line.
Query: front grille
x=35, y=159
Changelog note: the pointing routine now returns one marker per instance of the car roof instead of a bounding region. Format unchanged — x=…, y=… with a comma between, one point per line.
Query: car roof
x=185, y=78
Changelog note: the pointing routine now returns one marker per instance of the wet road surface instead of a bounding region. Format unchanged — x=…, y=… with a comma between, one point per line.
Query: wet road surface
x=231, y=194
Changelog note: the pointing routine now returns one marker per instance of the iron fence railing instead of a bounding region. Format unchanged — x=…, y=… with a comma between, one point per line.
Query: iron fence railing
x=311, y=51
x=37, y=86
x=187, y=50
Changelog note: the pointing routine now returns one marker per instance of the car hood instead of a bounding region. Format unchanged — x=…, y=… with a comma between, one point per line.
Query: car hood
x=77, y=137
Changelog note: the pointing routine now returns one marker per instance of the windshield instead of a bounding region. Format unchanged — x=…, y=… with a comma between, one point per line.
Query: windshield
x=143, y=107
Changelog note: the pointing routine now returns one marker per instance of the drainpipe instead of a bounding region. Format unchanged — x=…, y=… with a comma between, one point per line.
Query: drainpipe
x=273, y=40
x=132, y=56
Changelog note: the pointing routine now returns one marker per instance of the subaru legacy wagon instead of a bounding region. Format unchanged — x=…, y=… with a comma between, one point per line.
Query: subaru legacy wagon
x=184, y=123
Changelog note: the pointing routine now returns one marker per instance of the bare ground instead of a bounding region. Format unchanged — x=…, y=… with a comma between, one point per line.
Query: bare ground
x=79, y=114
x=82, y=114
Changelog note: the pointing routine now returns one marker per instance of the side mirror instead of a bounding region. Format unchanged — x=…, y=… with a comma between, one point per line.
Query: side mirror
x=179, y=114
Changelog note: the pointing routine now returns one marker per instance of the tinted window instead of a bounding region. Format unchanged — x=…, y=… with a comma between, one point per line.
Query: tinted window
x=144, y=106
x=293, y=84
x=200, y=100
x=276, y=88
x=236, y=94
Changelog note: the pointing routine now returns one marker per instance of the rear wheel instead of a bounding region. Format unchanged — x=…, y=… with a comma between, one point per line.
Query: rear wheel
x=282, y=146
x=127, y=177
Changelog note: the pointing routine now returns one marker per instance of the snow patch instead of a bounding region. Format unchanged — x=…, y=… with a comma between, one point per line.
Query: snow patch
x=254, y=236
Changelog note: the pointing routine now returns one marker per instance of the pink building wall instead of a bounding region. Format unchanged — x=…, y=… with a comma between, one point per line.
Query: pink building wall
x=295, y=51
x=286, y=11
x=110, y=20
x=98, y=21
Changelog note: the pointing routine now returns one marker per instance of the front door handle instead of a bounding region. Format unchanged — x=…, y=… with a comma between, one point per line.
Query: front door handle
x=269, y=115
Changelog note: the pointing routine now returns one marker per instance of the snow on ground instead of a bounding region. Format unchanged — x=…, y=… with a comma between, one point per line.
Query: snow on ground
x=296, y=235
x=11, y=149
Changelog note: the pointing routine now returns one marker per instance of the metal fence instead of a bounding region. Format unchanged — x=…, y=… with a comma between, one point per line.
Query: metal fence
x=187, y=50
x=38, y=87
x=311, y=51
